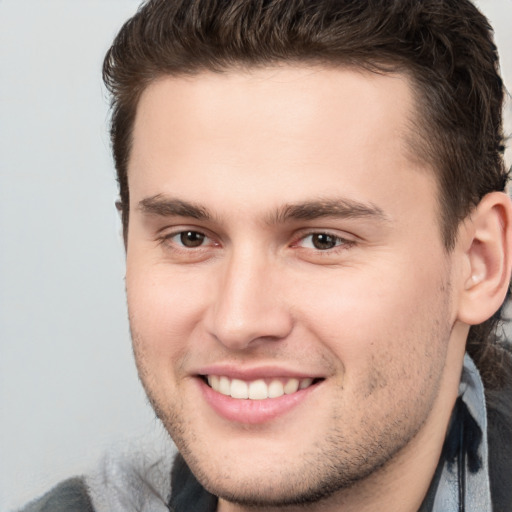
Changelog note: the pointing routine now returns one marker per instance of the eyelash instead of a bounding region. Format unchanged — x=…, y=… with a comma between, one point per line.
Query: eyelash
x=167, y=240
x=340, y=242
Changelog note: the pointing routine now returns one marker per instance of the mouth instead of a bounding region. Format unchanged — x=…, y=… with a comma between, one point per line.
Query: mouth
x=258, y=389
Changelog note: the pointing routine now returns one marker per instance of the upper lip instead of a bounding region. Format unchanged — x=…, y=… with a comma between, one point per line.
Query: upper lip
x=254, y=373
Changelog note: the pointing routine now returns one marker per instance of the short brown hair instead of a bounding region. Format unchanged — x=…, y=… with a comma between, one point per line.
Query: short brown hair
x=445, y=47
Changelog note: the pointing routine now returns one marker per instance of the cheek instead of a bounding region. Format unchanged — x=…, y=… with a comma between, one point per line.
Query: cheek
x=164, y=309
x=381, y=318
x=391, y=354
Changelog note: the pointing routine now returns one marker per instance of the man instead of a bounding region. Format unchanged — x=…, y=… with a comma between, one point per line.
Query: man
x=318, y=247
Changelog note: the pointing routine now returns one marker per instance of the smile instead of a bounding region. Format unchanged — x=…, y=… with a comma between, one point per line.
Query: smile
x=259, y=389
x=255, y=395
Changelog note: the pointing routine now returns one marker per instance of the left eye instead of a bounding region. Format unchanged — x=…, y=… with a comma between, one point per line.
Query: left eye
x=190, y=239
x=321, y=241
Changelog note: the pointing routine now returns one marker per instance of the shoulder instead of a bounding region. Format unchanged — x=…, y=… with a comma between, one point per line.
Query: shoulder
x=69, y=496
x=133, y=476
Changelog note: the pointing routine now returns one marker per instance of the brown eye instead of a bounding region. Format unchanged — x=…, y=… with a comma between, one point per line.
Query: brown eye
x=323, y=241
x=192, y=238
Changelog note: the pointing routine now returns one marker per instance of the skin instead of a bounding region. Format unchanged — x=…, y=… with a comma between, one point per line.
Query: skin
x=376, y=316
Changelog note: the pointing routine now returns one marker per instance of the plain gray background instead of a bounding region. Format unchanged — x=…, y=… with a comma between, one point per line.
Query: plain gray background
x=68, y=386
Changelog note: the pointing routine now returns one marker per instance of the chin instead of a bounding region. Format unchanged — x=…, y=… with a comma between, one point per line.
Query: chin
x=272, y=479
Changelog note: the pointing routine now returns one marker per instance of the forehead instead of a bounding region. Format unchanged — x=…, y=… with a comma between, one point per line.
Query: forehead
x=288, y=130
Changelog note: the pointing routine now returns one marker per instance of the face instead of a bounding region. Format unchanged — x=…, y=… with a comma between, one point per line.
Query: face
x=290, y=298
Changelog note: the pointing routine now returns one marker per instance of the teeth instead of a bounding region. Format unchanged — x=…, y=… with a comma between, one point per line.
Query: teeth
x=239, y=389
x=257, y=389
x=275, y=389
x=224, y=386
x=291, y=386
x=305, y=383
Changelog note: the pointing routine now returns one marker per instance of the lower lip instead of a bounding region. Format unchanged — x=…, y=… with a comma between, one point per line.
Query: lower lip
x=252, y=411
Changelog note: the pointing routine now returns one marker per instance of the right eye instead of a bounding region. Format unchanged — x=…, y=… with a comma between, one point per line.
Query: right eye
x=189, y=239
x=187, y=245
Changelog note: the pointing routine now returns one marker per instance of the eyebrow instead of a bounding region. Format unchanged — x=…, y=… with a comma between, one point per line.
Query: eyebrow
x=336, y=207
x=163, y=206
x=169, y=207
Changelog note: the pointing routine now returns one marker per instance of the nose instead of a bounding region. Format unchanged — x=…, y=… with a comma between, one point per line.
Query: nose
x=248, y=306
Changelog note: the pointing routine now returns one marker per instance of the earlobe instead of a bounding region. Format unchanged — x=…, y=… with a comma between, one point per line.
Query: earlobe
x=488, y=257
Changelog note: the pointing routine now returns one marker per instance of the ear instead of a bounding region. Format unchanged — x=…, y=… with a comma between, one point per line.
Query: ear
x=487, y=239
